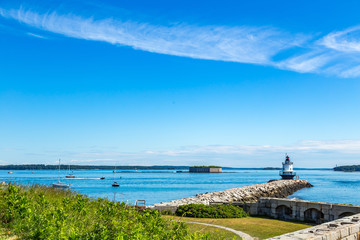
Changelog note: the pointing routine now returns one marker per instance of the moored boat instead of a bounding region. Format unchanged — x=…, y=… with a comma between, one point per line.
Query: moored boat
x=70, y=174
x=115, y=184
x=60, y=184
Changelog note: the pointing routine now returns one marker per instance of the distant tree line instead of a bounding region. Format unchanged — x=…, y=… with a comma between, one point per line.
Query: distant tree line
x=271, y=168
x=86, y=167
x=206, y=167
x=351, y=168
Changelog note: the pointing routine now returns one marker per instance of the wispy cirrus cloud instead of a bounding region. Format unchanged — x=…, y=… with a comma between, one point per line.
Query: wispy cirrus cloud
x=312, y=61
x=343, y=146
x=335, y=53
x=238, y=44
x=344, y=41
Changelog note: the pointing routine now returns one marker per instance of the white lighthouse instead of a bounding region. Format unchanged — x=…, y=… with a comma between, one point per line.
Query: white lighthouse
x=287, y=172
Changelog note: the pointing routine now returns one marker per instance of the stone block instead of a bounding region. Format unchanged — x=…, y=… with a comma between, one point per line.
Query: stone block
x=334, y=235
x=354, y=229
x=303, y=209
x=344, y=232
x=253, y=210
x=351, y=237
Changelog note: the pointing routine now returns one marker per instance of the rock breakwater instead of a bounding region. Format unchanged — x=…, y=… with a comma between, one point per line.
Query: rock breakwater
x=277, y=189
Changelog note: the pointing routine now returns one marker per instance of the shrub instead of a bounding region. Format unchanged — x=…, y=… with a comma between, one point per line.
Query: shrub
x=210, y=211
x=166, y=212
x=39, y=212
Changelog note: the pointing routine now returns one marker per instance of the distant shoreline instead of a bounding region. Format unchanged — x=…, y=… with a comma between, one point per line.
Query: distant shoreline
x=35, y=167
x=347, y=168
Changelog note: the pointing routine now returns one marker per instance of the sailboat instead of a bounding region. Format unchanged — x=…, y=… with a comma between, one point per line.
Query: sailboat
x=115, y=184
x=70, y=175
x=60, y=184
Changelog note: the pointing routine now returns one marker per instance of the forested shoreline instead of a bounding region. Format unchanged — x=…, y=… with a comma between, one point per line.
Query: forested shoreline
x=86, y=167
x=350, y=168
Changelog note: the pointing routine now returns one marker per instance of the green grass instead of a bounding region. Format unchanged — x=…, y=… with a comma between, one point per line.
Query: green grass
x=213, y=232
x=5, y=234
x=40, y=212
x=254, y=226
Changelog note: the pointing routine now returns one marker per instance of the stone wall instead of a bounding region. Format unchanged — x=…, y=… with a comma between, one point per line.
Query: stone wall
x=291, y=209
x=347, y=228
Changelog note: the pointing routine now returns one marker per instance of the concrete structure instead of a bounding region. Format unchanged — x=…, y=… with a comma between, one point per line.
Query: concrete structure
x=287, y=172
x=205, y=169
x=290, y=209
x=347, y=228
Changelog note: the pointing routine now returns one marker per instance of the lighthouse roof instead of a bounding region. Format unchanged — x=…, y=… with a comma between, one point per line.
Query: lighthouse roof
x=287, y=161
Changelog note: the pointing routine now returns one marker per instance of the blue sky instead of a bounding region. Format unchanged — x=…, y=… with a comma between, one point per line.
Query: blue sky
x=232, y=83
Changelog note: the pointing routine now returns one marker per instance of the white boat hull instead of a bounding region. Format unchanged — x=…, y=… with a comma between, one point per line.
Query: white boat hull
x=60, y=185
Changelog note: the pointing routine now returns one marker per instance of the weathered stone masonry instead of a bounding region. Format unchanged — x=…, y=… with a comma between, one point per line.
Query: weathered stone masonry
x=347, y=228
x=291, y=209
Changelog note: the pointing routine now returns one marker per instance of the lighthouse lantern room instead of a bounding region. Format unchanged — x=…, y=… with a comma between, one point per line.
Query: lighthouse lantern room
x=287, y=171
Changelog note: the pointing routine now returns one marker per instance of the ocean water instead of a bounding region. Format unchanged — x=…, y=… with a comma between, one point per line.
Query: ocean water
x=329, y=186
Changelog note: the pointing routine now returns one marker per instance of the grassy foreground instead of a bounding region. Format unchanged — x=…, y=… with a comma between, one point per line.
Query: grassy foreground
x=39, y=212
x=213, y=232
x=254, y=226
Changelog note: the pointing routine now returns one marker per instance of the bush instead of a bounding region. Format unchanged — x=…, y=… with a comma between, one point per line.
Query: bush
x=39, y=212
x=210, y=211
x=166, y=212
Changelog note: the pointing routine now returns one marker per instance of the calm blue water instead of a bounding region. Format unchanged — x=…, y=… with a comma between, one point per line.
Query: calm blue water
x=329, y=186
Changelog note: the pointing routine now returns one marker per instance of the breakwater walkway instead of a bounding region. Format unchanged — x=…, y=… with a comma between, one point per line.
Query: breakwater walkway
x=252, y=193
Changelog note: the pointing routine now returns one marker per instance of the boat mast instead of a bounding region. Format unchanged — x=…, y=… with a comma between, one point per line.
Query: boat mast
x=59, y=172
x=114, y=172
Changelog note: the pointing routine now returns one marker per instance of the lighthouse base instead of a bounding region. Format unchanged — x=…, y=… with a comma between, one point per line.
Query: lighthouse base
x=287, y=176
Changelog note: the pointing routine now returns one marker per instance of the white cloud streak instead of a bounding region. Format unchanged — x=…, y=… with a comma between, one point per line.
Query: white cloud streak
x=332, y=152
x=36, y=35
x=309, y=62
x=337, y=53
